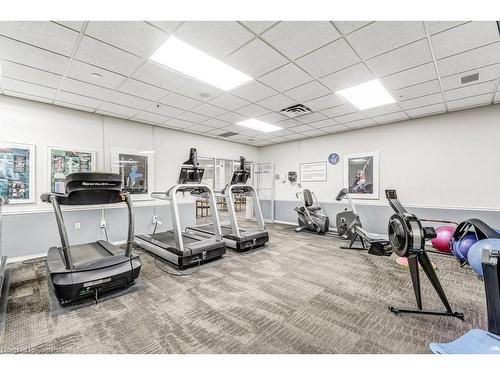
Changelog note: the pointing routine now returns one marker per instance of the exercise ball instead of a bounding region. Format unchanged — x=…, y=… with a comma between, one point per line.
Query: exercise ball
x=476, y=253
x=442, y=240
x=461, y=247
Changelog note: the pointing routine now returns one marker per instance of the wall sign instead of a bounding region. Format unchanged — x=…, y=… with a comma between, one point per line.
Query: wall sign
x=17, y=172
x=333, y=158
x=361, y=175
x=313, y=172
x=63, y=162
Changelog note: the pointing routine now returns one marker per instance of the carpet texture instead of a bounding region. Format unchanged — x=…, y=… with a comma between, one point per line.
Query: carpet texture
x=299, y=294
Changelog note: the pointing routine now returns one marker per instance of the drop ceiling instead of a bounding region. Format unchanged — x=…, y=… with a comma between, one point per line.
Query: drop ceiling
x=103, y=67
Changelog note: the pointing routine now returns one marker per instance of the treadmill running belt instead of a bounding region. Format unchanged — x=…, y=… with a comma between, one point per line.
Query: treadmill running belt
x=168, y=238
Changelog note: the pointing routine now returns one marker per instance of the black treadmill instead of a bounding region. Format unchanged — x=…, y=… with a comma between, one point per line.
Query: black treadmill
x=88, y=270
x=186, y=248
x=235, y=237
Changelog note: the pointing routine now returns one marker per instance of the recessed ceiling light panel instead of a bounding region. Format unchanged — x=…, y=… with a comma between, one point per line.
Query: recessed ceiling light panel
x=184, y=58
x=259, y=125
x=367, y=95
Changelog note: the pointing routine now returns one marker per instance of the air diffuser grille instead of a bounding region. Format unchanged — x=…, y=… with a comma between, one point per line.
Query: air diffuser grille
x=227, y=134
x=296, y=110
x=469, y=78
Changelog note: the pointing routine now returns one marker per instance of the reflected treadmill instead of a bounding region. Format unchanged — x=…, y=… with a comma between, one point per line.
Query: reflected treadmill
x=90, y=269
x=186, y=248
x=234, y=237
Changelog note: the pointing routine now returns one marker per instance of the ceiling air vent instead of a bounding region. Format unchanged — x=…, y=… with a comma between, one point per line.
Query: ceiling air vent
x=469, y=78
x=296, y=110
x=227, y=134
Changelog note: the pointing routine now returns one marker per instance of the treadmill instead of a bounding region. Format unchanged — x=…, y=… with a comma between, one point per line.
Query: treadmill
x=88, y=270
x=235, y=237
x=186, y=248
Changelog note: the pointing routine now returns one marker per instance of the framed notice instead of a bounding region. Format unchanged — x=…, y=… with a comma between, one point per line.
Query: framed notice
x=63, y=162
x=313, y=172
x=136, y=168
x=17, y=172
x=361, y=175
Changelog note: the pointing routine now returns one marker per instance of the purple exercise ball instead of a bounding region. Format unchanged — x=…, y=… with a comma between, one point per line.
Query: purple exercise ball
x=461, y=247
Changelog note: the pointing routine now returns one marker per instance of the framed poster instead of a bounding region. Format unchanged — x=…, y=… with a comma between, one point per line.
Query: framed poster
x=136, y=168
x=361, y=175
x=17, y=172
x=313, y=172
x=63, y=162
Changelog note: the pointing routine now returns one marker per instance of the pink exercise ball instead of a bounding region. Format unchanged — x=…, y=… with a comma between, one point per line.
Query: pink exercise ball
x=443, y=237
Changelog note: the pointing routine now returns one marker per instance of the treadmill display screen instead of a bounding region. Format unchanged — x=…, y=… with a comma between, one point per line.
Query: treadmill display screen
x=191, y=175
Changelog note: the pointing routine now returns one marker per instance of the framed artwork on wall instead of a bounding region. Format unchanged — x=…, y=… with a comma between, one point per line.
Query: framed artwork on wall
x=63, y=161
x=137, y=170
x=17, y=172
x=361, y=175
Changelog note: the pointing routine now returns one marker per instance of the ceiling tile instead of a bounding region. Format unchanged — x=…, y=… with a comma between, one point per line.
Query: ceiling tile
x=253, y=110
x=350, y=117
x=214, y=123
x=27, y=96
x=229, y=102
x=347, y=27
x=143, y=90
x=277, y=102
x=324, y=102
x=485, y=74
x=380, y=37
x=32, y=56
x=324, y=123
x=308, y=91
x=382, y=110
x=314, y=133
x=253, y=91
x=256, y=58
x=258, y=27
x=86, y=89
x=289, y=123
x=410, y=77
x=296, y=38
x=44, y=34
x=198, y=90
x=406, y=57
x=75, y=25
x=160, y=76
x=422, y=101
x=361, y=123
x=217, y=38
x=272, y=117
x=149, y=117
x=464, y=92
x=311, y=117
x=415, y=91
x=136, y=37
x=462, y=38
x=164, y=110
x=474, y=101
x=32, y=75
x=192, y=117
x=285, y=78
x=180, y=101
x=301, y=128
x=434, y=27
x=497, y=97
x=328, y=59
x=474, y=59
x=83, y=72
x=78, y=100
x=129, y=100
x=335, y=129
x=391, y=117
x=231, y=117
x=339, y=110
x=178, y=124
x=348, y=77
x=198, y=128
x=101, y=54
x=166, y=26
x=118, y=109
x=427, y=110
x=9, y=84
x=209, y=110
x=72, y=106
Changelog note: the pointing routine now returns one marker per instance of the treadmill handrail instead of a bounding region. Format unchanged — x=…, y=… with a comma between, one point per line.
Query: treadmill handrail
x=232, y=213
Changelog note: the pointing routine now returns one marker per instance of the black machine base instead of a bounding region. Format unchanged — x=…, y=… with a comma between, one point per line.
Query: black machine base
x=376, y=248
x=400, y=310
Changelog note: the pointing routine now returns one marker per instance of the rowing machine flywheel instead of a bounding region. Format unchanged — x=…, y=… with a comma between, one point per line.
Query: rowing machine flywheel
x=406, y=234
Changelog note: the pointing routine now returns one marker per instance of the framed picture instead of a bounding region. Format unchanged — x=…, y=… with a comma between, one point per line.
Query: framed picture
x=136, y=168
x=17, y=172
x=361, y=175
x=313, y=172
x=63, y=161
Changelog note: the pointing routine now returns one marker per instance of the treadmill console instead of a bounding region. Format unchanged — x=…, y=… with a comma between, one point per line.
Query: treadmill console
x=241, y=175
x=190, y=172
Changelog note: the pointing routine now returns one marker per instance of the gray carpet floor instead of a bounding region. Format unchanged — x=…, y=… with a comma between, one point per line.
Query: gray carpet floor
x=299, y=294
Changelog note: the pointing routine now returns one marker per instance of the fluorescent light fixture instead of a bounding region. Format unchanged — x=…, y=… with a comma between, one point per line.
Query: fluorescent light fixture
x=184, y=58
x=258, y=125
x=367, y=95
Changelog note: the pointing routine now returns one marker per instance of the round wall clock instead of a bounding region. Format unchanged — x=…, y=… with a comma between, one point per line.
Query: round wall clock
x=333, y=158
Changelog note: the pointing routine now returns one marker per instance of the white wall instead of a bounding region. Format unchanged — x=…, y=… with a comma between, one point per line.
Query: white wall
x=449, y=160
x=44, y=125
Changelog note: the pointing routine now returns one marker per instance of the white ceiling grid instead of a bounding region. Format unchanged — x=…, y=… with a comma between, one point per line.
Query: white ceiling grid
x=103, y=67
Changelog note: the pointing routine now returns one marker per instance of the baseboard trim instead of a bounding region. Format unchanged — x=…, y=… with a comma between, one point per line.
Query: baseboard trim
x=24, y=258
